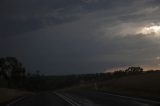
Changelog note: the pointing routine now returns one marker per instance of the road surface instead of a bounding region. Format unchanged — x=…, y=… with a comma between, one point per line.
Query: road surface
x=81, y=99
x=41, y=99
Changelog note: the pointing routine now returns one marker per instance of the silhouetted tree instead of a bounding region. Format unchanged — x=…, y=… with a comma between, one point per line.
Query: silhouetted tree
x=134, y=70
x=11, y=69
x=3, y=67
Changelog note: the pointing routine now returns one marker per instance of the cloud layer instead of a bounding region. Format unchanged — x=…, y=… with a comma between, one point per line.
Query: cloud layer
x=82, y=36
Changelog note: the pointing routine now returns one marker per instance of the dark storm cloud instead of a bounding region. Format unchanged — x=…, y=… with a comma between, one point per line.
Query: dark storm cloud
x=21, y=16
x=78, y=36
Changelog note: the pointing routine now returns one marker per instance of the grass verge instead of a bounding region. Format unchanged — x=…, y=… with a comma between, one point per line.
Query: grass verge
x=10, y=94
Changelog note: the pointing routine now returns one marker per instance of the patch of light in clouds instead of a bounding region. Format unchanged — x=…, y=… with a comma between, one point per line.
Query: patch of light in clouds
x=152, y=29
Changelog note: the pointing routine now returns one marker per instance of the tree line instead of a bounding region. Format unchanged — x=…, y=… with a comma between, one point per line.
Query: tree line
x=13, y=75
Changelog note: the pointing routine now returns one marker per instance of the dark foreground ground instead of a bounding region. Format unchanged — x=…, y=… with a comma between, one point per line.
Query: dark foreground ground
x=81, y=99
x=41, y=99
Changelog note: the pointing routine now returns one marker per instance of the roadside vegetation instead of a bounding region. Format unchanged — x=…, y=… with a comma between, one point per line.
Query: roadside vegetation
x=10, y=94
x=143, y=85
x=132, y=81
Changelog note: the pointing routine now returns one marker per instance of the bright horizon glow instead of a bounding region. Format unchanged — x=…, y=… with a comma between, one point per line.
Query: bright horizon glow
x=145, y=68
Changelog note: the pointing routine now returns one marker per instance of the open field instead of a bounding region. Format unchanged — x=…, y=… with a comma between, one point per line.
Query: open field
x=144, y=85
x=140, y=85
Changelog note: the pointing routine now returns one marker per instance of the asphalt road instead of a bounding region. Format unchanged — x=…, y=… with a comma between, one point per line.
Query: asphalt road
x=41, y=99
x=106, y=99
x=82, y=99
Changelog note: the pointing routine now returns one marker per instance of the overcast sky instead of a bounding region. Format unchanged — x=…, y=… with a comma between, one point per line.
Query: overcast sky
x=80, y=36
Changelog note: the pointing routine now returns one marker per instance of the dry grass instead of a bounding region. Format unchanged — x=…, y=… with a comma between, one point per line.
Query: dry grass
x=9, y=94
x=144, y=85
x=139, y=85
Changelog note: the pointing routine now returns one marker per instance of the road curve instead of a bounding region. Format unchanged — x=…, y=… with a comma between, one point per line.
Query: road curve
x=81, y=98
x=105, y=99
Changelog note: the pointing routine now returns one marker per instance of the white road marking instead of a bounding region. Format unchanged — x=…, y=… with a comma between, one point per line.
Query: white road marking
x=70, y=101
x=135, y=99
x=15, y=101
